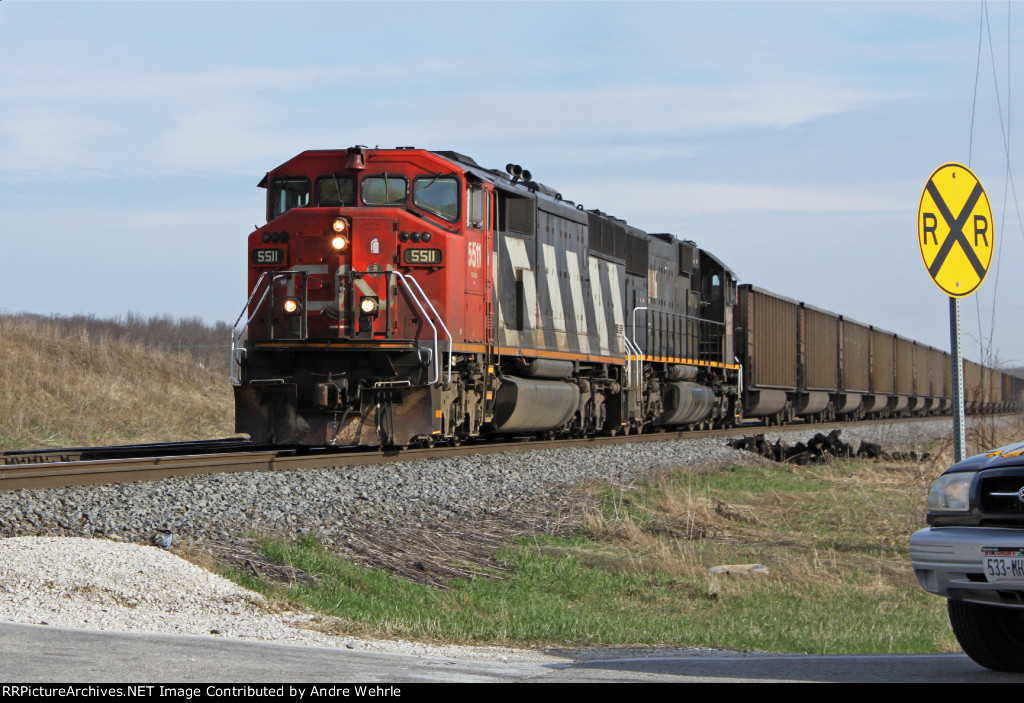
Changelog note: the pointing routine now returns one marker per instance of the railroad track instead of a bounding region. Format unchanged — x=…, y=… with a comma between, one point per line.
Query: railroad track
x=80, y=466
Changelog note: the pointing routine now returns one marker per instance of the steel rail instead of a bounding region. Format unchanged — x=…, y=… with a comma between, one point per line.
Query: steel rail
x=123, y=470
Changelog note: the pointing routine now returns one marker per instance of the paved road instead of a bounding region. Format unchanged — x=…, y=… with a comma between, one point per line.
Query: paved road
x=35, y=653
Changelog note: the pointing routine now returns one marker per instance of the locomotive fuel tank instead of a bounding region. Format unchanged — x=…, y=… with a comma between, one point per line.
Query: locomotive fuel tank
x=687, y=403
x=533, y=405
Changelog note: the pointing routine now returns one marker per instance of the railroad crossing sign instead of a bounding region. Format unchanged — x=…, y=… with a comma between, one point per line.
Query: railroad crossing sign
x=954, y=230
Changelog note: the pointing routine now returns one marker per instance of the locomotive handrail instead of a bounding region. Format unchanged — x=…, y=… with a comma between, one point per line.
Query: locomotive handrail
x=634, y=327
x=700, y=322
x=416, y=299
x=633, y=352
x=236, y=337
x=435, y=352
x=411, y=287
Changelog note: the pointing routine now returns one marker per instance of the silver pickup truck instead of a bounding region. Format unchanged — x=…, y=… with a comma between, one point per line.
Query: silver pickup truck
x=973, y=554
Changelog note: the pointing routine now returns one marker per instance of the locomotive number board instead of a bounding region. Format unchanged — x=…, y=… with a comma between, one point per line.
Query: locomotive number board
x=268, y=257
x=421, y=257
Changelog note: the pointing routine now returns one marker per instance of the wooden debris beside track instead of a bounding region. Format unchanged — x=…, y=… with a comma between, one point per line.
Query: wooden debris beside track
x=819, y=449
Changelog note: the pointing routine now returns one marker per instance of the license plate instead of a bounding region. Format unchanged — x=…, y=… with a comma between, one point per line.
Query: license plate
x=1003, y=564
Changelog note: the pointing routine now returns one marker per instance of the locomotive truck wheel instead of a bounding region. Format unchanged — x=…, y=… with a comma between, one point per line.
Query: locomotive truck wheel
x=990, y=635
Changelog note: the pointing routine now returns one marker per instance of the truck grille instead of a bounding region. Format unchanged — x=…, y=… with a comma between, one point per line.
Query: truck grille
x=998, y=494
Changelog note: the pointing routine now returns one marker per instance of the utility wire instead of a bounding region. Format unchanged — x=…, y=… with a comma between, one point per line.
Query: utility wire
x=970, y=149
x=1006, y=176
x=1005, y=135
x=977, y=70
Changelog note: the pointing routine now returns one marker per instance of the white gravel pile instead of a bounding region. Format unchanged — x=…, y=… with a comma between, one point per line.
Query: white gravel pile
x=103, y=585
x=75, y=582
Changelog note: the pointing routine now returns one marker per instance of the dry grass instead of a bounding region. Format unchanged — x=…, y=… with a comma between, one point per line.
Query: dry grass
x=809, y=524
x=814, y=525
x=86, y=389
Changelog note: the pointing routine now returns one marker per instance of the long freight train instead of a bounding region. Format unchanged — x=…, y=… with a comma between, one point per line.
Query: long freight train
x=401, y=296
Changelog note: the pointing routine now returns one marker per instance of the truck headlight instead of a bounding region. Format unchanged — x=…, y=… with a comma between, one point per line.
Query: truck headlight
x=951, y=492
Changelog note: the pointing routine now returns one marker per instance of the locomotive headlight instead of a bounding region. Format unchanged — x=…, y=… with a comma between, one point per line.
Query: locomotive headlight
x=951, y=492
x=369, y=306
x=290, y=305
x=340, y=225
x=339, y=243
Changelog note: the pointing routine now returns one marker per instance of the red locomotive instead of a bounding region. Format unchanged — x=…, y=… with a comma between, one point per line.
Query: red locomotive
x=401, y=295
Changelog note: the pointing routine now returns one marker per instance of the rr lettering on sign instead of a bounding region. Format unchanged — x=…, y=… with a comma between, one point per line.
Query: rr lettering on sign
x=955, y=231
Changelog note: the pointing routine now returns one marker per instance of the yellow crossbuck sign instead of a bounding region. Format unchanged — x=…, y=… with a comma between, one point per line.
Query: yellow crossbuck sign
x=954, y=230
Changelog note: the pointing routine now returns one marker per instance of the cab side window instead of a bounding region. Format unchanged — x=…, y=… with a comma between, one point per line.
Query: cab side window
x=287, y=192
x=713, y=288
x=475, y=207
x=438, y=195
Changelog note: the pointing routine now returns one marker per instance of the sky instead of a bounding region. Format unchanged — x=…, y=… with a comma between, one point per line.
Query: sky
x=793, y=140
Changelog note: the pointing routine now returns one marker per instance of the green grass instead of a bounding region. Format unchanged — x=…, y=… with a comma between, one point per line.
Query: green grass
x=833, y=537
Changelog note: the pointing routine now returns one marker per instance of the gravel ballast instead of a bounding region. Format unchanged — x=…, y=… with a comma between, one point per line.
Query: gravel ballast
x=123, y=583
x=331, y=502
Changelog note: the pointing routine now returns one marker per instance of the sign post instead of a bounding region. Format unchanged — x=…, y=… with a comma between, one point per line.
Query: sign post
x=959, y=440
x=956, y=235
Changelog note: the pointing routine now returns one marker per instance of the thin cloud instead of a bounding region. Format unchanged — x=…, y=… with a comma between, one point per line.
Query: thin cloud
x=662, y=199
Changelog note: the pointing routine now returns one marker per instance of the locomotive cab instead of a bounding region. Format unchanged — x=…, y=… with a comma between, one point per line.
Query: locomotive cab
x=360, y=252
x=718, y=286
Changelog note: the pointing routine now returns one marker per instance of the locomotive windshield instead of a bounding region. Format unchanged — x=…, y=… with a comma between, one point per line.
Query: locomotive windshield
x=384, y=190
x=286, y=193
x=335, y=190
x=438, y=195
